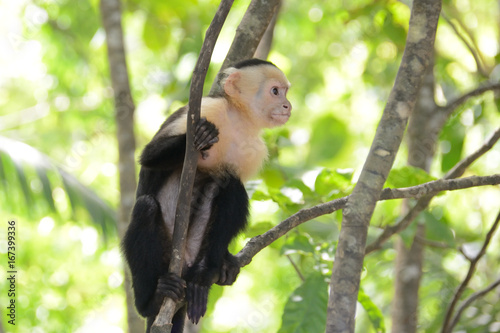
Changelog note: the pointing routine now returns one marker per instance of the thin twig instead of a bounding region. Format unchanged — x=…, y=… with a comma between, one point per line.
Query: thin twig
x=431, y=243
x=168, y=308
x=447, y=326
x=472, y=50
x=299, y=273
x=257, y=243
x=460, y=167
x=422, y=203
x=471, y=299
x=454, y=104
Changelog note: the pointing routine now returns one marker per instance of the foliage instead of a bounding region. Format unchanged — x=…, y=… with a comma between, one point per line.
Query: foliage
x=341, y=57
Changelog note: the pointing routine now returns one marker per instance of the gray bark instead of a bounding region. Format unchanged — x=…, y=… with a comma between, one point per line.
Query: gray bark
x=124, y=116
x=344, y=284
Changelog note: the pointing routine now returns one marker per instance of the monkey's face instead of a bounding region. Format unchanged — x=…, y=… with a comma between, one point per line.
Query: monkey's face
x=276, y=107
x=261, y=92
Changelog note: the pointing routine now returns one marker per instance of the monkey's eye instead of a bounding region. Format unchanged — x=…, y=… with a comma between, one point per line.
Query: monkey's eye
x=275, y=91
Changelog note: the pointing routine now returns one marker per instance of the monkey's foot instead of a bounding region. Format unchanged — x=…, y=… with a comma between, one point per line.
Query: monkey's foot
x=206, y=134
x=229, y=271
x=172, y=286
x=197, y=297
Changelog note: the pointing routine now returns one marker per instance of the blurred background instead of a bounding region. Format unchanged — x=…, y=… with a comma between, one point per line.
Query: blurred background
x=58, y=156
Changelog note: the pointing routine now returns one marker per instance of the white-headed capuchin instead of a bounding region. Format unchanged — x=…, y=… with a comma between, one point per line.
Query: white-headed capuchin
x=251, y=96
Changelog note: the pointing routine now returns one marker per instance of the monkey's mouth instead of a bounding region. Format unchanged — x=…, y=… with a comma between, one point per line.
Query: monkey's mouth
x=281, y=117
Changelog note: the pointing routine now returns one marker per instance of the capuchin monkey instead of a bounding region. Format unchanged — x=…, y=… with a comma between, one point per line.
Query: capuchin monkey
x=251, y=96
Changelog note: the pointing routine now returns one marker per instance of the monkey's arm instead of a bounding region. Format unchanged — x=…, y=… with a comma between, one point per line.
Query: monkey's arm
x=164, y=152
x=229, y=217
x=167, y=152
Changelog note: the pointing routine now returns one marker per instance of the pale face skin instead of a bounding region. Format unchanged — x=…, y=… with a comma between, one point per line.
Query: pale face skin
x=275, y=106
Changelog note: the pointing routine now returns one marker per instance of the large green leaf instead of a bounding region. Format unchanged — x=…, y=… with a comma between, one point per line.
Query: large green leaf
x=438, y=230
x=297, y=244
x=407, y=176
x=21, y=165
x=333, y=183
x=374, y=314
x=305, y=310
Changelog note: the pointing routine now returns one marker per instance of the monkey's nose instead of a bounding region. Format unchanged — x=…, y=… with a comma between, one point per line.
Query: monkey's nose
x=287, y=106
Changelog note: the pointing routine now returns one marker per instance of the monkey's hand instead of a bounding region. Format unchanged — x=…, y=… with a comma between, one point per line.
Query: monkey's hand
x=172, y=286
x=229, y=270
x=169, y=285
x=206, y=134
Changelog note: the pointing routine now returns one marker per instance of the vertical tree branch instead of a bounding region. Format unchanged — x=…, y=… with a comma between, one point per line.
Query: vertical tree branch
x=422, y=135
x=124, y=116
x=349, y=256
x=264, y=47
x=249, y=32
x=167, y=311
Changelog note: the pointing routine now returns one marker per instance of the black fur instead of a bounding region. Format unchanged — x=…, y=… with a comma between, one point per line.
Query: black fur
x=147, y=243
x=252, y=62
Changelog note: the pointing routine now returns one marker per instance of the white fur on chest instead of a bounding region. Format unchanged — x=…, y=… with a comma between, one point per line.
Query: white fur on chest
x=201, y=209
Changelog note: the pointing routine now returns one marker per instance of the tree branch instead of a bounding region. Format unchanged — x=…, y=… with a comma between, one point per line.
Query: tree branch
x=124, y=117
x=249, y=33
x=167, y=311
x=471, y=299
x=257, y=243
x=264, y=47
x=422, y=203
x=447, y=326
x=344, y=283
x=451, y=106
x=472, y=49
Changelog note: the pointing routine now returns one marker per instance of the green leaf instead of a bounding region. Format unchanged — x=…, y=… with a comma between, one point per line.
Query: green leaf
x=305, y=310
x=374, y=314
x=260, y=196
x=273, y=177
x=452, y=144
x=299, y=184
x=258, y=228
x=438, y=230
x=297, y=244
x=408, y=235
x=330, y=182
x=407, y=176
x=20, y=159
x=327, y=139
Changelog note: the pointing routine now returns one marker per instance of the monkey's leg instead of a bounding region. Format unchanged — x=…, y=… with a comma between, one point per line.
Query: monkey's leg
x=146, y=246
x=197, y=298
x=229, y=216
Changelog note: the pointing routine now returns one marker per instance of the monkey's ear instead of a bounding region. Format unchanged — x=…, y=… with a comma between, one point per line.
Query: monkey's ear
x=231, y=84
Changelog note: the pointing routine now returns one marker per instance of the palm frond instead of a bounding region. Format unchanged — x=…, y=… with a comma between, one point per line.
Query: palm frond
x=29, y=176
